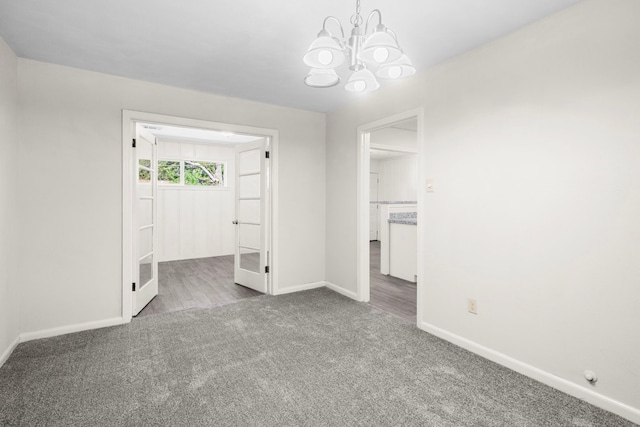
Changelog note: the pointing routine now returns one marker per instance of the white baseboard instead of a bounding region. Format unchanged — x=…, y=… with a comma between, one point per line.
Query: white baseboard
x=307, y=286
x=9, y=350
x=298, y=288
x=596, y=399
x=47, y=333
x=341, y=290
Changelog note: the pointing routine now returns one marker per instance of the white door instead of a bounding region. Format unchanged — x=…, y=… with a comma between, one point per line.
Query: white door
x=145, y=258
x=374, y=208
x=251, y=263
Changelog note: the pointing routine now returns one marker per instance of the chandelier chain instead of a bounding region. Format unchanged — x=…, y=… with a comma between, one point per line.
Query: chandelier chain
x=356, y=19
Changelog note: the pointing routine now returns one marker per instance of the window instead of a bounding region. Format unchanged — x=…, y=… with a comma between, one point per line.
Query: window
x=209, y=174
x=191, y=173
x=143, y=173
x=169, y=172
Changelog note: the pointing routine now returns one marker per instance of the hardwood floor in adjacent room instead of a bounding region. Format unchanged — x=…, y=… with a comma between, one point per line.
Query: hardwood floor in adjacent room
x=208, y=282
x=201, y=283
x=389, y=293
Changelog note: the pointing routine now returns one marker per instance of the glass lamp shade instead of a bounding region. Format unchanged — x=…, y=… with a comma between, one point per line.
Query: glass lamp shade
x=325, y=52
x=397, y=69
x=380, y=48
x=362, y=81
x=320, y=77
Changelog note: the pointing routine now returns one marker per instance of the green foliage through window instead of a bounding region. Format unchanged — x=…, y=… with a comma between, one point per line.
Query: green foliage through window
x=203, y=173
x=168, y=172
x=206, y=174
x=144, y=175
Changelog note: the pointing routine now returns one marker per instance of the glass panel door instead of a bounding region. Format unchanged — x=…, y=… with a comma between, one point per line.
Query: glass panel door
x=145, y=287
x=250, y=254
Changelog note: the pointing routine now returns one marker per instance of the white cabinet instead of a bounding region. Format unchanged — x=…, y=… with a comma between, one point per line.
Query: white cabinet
x=403, y=251
x=387, y=211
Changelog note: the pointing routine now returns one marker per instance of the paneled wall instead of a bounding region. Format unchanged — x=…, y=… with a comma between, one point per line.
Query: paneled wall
x=193, y=221
x=398, y=178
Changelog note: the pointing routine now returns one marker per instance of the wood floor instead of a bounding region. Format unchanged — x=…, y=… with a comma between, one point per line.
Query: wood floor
x=389, y=293
x=202, y=283
x=208, y=282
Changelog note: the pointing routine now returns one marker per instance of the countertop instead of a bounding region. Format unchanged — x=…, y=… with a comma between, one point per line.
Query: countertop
x=408, y=221
x=401, y=202
x=409, y=218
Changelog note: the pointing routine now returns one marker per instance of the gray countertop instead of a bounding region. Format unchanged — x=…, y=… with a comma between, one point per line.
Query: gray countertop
x=401, y=202
x=407, y=221
x=409, y=218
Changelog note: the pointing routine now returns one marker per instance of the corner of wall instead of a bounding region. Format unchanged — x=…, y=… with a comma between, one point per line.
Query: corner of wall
x=9, y=141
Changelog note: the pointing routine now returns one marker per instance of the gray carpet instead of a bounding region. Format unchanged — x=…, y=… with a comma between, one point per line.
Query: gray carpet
x=313, y=358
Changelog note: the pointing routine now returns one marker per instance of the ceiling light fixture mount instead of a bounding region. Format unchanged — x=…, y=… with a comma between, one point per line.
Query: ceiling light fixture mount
x=378, y=50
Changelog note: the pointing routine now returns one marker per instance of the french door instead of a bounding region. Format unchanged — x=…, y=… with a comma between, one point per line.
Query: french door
x=251, y=196
x=145, y=259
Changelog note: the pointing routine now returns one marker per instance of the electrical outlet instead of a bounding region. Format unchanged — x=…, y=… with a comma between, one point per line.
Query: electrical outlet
x=472, y=306
x=429, y=185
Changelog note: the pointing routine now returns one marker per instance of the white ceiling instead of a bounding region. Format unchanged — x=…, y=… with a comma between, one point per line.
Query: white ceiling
x=375, y=154
x=411, y=124
x=249, y=49
x=197, y=135
x=401, y=148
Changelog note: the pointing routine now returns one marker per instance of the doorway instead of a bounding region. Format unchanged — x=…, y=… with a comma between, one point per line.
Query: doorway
x=389, y=152
x=215, y=184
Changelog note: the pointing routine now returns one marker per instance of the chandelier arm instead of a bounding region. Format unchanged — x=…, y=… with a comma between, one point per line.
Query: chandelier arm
x=393, y=33
x=373, y=12
x=336, y=20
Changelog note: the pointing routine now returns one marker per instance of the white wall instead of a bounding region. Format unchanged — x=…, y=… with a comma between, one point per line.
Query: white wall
x=533, y=145
x=196, y=222
x=71, y=244
x=9, y=329
x=398, y=178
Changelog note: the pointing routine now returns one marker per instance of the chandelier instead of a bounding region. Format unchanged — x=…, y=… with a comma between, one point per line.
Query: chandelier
x=367, y=53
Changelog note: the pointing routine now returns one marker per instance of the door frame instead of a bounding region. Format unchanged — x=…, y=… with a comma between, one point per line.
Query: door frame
x=129, y=120
x=363, y=289
x=377, y=205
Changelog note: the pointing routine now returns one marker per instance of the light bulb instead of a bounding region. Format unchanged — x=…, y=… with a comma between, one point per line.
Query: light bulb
x=381, y=54
x=325, y=57
x=362, y=81
x=395, y=72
